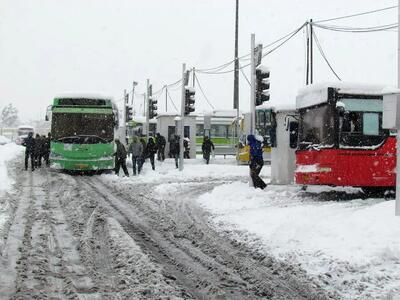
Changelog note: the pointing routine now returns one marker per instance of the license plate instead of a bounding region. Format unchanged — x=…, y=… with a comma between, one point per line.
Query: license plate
x=81, y=166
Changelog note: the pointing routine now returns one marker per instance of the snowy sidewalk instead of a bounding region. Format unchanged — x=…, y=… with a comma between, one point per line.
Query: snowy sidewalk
x=351, y=247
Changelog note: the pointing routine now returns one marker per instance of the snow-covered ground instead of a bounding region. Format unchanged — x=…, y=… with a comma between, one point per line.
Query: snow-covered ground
x=347, y=244
x=194, y=169
x=7, y=152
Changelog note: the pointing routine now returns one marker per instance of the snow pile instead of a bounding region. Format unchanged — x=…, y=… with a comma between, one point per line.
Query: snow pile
x=4, y=140
x=7, y=152
x=194, y=169
x=352, y=247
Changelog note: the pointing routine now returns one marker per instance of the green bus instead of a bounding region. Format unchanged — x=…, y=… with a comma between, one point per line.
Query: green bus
x=82, y=132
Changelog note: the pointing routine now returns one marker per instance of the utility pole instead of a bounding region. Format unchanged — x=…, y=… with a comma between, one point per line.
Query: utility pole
x=133, y=91
x=236, y=76
x=166, y=98
x=194, y=76
x=308, y=56
x=253, y=84
x=146, y=105
x=182, y=117
x=311, y=53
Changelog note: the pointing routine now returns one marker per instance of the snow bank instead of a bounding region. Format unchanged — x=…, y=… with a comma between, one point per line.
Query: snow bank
x=194, y=169
x=4, y=140
x=351, y=246
x=7, y=152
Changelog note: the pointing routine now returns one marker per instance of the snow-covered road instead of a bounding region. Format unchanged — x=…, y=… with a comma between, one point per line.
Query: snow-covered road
x=103, y=237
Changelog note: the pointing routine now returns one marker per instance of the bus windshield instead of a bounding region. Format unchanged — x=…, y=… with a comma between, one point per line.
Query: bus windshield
x=317, y=127
x=70, y=125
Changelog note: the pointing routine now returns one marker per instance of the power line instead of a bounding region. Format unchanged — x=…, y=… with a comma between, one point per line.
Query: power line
x=244, y=75
x=202, y=91
x=357, y=15
x=285, y=39
x=289, y=37
x=357, y=29
x=324, y=56
x=172, y=101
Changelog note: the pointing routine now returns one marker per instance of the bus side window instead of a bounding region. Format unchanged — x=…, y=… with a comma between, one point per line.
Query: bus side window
x=293, y=134
x=371, y=124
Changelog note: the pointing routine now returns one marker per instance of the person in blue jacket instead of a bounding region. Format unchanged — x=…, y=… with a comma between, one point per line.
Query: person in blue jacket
x=256, y=161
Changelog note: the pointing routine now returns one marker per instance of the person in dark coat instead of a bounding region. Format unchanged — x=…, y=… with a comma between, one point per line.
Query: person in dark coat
x=120, y=158
x=160, y=142
x=206, y=148
x=136, y=150
x=256, y=161
x=29, y=144
x=174, y=149
x=38, y=150
x=186, y=147
x=46, y=149
x=151, y=150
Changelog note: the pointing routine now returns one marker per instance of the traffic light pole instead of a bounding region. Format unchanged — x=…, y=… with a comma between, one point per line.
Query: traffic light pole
x=124, y=118
x=182, y=117
x=147, y=110
x=253, y=84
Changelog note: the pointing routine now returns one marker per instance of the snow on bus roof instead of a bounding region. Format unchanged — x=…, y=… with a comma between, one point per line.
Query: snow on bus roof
x=314, y=94
x=83, y=95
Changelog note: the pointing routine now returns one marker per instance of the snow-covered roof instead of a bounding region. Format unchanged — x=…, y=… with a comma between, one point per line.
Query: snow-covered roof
x=219, y=113
x=277, y=107
x=83, y=95
x=142, y=119
x=314, y=94
x=25, y=127
x=168, y=113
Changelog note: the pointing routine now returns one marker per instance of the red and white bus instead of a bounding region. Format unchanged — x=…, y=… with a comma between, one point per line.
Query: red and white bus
x=341, y=139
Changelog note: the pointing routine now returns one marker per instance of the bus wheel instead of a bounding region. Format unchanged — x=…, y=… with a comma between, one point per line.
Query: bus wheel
x=304, y=188
x=379, y=192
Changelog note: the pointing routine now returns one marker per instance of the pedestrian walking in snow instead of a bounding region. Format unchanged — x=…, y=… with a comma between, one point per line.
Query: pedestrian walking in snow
x=143, y=156
x=120, y=158
x=46, y=154
x=151, y=150
x=160, y=142
x=206, y=148
x=186, y=146
x=38, y=150
x=29, y=144
x=256, y=161
x=136, y=150
x=174, y=149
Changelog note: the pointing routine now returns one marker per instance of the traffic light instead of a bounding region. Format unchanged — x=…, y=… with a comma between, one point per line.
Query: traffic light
x=262, y=79
x=189, y=100
x=152, y=108
x=129, y=113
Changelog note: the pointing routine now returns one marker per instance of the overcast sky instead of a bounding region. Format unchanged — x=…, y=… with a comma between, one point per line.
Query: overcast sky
x=48, y=47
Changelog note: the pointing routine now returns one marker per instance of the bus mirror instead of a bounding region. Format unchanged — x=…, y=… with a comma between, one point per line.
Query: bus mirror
x=48, y=112
x=293, y=134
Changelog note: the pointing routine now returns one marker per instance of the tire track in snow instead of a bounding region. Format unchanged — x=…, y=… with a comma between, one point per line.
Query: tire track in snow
x=175, y=233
